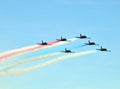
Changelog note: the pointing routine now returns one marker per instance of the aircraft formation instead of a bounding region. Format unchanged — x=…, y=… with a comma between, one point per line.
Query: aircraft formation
x=79, y=37
x=43, y=45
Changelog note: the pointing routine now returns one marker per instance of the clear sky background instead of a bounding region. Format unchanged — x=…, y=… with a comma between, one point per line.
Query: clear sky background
x=27, y=22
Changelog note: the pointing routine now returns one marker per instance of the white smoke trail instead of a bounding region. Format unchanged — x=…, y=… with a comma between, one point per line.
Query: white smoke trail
x=19, y=49
x=25, y=48
x=28, y=47
x=25, y=70
x=27, y=60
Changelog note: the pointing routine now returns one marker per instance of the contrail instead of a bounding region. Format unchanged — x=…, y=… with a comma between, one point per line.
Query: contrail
x=25, y=70
x=27, y=60
x=25, y=50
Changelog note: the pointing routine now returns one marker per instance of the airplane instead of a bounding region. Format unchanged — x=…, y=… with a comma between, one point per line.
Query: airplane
x=62, y=39
x=43, y=43
x=91, y=43
x=82, y=37
x=67, y=51
x=103, y=49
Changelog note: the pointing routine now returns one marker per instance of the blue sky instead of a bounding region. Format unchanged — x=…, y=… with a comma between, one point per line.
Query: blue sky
x=27, y=22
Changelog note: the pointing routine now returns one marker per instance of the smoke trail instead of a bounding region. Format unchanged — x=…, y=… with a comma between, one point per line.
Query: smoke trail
x=23, y=50
x=19, y=49
x=25, y=70
x=68, y=56
x=78, y=46
x=32, y=48
x=29, y=60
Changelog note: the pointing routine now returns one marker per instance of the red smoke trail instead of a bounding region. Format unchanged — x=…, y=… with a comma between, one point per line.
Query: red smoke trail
x=8, y=55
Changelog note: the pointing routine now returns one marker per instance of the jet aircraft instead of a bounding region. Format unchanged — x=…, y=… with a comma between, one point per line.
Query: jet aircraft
x=82, y=37
x=91, y=43
x=67, y=51
x=43, y=43
x=62, y=39
x=103, y=49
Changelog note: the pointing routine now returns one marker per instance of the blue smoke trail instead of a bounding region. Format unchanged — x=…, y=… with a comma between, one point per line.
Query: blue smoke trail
x=78, y=46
